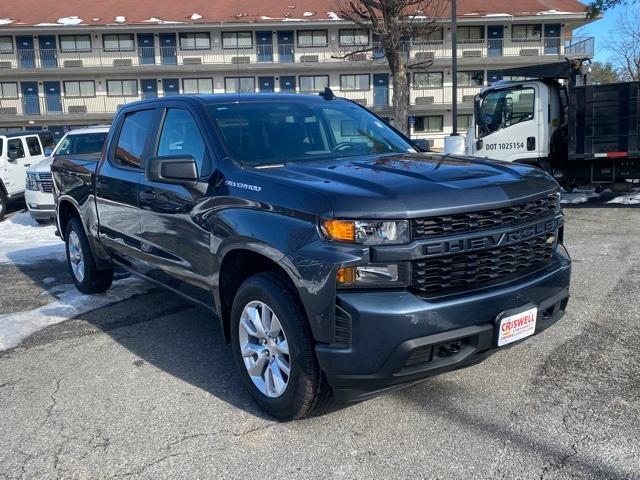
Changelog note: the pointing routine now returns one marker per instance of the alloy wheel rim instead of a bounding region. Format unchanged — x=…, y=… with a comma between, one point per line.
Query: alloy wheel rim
x=76, y=257
x=264, y=349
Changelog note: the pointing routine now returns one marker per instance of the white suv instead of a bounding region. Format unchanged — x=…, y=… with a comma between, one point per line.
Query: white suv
x=39, y=194
x=18, y=150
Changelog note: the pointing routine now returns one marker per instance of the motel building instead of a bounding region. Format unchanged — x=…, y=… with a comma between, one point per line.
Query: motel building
x=75, y=63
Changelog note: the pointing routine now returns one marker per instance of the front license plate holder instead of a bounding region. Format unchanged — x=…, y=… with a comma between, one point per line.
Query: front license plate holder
x=516, y=324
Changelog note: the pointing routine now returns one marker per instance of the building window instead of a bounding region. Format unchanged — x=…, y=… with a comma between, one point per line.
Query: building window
x=6, y=45
x=312, y=38
x=428, y=80
x=237, y=40
x=464, y=121
x=197, y=85
x=473, y=78
x=350, y=37
x=82, y=88
x=428, y=123
x=121, y=42
x=8, y=90
x=471, y=34
x=195, y=41
x=434, y=37
x=239, y=85
x=122, y=88
x=75, y=43
x=355, y=82
x=526, y=33
x=313, y=83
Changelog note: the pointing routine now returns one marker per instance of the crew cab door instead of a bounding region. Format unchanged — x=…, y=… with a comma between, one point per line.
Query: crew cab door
x=507, y=124
x=16, y=166
x=175, y=242
x=116, y=186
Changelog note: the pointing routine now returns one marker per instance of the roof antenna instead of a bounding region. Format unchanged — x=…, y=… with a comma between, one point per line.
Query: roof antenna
x=327, y=94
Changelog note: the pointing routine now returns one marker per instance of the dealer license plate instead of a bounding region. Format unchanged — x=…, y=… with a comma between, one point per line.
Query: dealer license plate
x=516, y=327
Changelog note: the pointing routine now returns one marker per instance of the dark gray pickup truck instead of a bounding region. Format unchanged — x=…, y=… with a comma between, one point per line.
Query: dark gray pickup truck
x=337, y=257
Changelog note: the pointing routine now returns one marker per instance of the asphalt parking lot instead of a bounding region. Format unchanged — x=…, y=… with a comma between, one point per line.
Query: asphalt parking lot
x=145, y=388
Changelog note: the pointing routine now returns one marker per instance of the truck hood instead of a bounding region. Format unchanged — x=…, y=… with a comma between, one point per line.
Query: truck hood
x=42, y=166
x=410, y=185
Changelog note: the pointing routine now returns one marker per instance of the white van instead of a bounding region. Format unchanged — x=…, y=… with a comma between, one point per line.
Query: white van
x=18, y=150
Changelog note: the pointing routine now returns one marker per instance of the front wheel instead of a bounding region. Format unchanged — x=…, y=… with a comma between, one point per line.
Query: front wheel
x=272, y=347
x=3, y=204
x=84, y=272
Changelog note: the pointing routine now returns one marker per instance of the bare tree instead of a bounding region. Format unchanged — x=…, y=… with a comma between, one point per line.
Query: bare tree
x=395, y=22
x=623, y=43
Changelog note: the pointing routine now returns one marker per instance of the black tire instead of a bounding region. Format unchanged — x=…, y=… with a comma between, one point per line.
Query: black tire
x=305, y=383
x=3, y=204
x=93, y=280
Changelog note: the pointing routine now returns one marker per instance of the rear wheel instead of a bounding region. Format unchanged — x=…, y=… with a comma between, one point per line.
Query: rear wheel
x=273, y=349
x=84, y=272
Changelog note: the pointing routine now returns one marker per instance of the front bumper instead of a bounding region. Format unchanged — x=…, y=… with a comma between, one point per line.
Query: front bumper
x=41, y=205
x=398, y=338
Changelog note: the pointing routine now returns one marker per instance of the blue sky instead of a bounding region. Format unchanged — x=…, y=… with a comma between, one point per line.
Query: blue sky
x=600, y=28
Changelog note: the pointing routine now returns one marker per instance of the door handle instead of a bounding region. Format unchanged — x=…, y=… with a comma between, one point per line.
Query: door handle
x=147, y=196
x=27, y=164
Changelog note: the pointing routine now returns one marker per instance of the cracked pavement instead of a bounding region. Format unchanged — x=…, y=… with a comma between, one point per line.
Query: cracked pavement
x=146, y=388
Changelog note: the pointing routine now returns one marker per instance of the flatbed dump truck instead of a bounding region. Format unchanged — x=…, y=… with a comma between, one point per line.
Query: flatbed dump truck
x=580, y=133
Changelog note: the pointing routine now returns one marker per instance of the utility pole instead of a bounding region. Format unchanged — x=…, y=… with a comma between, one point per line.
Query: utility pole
x=454, y=68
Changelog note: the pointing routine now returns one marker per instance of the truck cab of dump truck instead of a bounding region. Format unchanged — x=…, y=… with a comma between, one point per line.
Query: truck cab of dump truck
x=515, y=121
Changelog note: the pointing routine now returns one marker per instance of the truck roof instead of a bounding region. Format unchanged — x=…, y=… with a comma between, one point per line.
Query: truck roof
x=24, y=133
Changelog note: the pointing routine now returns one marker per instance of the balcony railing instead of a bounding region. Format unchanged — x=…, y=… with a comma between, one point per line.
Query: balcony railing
x=57, y=105
x=287, y=54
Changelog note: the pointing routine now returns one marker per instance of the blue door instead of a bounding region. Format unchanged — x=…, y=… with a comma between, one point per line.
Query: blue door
x=52, y=99
x=378, y=51
x=168, y=50
x=495, y=34
x=30, y=98
x=264, y=45
x=266, y=84
x=146, y=49
x=26, y=53
x=288, y=84
x=381, y=89
x=170, y=86
x=552, y=39
x=48, y=51
x=493, y=76
x=149, y=88
x=285, y=46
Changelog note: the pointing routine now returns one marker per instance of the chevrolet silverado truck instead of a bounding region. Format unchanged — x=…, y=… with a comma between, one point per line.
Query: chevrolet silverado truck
x=338, y=258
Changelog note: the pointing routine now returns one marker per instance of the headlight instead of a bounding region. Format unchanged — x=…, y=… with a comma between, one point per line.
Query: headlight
x=373, y=275
x=374, y=232
x=32, y=181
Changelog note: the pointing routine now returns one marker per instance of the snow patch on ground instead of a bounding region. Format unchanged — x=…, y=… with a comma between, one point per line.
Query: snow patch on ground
x=72, y=20
x=15, y=327
x=632, y=198
x=578, y=196
x=23, y=241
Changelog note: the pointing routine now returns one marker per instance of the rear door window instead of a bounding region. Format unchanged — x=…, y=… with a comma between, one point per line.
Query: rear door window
x=132, y=138
x=33, y=144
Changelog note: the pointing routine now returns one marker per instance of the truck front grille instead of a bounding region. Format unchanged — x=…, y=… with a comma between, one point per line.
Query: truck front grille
x=468, y=271
x=485, y=219
x=46, y=182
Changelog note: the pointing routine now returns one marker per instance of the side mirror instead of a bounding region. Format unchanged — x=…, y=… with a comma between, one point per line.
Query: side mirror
x=178, y=170
x=48, y=151
x=13, y=155
x=422, y=144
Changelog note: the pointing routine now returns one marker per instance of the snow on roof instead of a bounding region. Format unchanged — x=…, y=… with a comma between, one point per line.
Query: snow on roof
x=17, y=13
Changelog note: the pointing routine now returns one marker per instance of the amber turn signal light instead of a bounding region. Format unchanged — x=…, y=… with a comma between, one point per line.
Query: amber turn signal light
x=346, y=275
x=340, y=230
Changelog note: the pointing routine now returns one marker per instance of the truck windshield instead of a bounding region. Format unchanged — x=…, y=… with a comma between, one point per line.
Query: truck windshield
x=265, y=133
x=81, y=143
x=505, y=107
